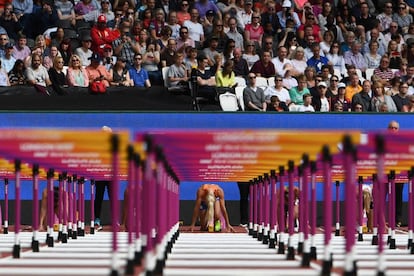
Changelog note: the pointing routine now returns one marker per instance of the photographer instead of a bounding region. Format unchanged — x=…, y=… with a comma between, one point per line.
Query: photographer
x=108, y=59
x=10, y=22
x=120, y=75
x=287, y=12
x=125, y=47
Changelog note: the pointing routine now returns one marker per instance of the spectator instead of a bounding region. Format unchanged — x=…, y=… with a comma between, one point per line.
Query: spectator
x=287, y=12
x=120, y=75
x=358, y=108
x=4, y=78
x=66, y=11
x=195, y=29
x=157, y=24
x=393, y=31
x=326, y=43
x=105, y=10
x=245, y=15
x=37, y=74
x=310, y=74
x=296, y=93
x=401, y=99
x=191, y=59
x=102, y=35
x=345, y=19
x=366, y=20
x=394, y=89
x=84, y=52
x=254, y=31
x=372, y=57
x=364, y=97
x=42, y=20
x=40, y=42
x=250, y=54
x=240, y=64
x=306, y=106
x=184, y=40
x=264, y=67
x=48, y=60
x=340, y=99
x=279, y=91
x=320, y=101
x=334, y=28
x=385, y=18
x=108, y=59
x=183, y=14
x=84, y=7
x=352, y=88
x=349, y=41
x=394, y=55
x=281, y=60
x=138, y=75
x=65, y=51
x=333, y=86
x=218, y=31
x=288, y=80
x=23, y=10
x=225, y=78
x=253, y=96
x=206, y=81
x=177, y=73
x=375, y=35
x=402, y=17
x=317, y=61
x=151, y=62
x=310, y=27
x=97, y=72
x=57, y=76
x=10, y=22
x=76, y=74
x=168, y=54
x=211, y=51
x=380, y=97
x=336, y=58
x=173, y=24
x=298, y=62
x=270, y=18
x=21, y=51
x=7, y=61
x=384, y=72
x=57, y=37
x=205, y=5
x=17, y=74
x=355, y=57
x=276, y=105
x=125, y=47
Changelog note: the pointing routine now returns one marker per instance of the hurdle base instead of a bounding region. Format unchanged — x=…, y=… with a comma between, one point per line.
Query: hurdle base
x=49, y=241
x=35, y=246
x=5, y=230
x=59, y=236
x=169, y=247
x=337, y=232
x=74, y=235
x=272, y=243
x=281, y=248
x=374, y=240
x=138, y=258
x=260, y=236
x=412, y=250
x=266, y=239
x=114, y=272
x=92, y=230
x=16, y=251
x=254, y=234
x=388, y=239
x=360, y=237
x=306, y=260
x=380, y=273
x=410, y=243
x=392, y=244
x=300, y=247
x=81, y=232
x=291, y=253
x=313, y=254
x=159, y=267
x=326, y=268
x=64, y=238
x=69, y=233
x=129, y=270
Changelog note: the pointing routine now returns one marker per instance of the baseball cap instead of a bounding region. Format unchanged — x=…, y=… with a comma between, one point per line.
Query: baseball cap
x=248, y=2
x=210, y=13
x=107, y=46
x=322, y=83
x=102, y=19
x=9, y=45
x=95, y=57
x=286, y=4
x=341, y=85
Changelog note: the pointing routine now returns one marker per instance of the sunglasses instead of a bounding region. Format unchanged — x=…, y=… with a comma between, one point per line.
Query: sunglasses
x=250, y=77
x=73, y=60
x=279, y=80
x=138, y=58
x=335, y=80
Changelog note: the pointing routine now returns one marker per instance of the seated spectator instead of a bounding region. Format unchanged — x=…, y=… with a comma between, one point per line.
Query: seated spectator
x=177, y=74
x=157, y=24
x=49, y=59
x=250, y=54
x=394, y=54
x=333, y=86
x=66, y=11
x=103, y=10
x=353, y=87
x=253, y=96
x=8, y=60
x=340, y=99
x=21, y=51
x=321, y=102
x=40, y=42
x=288, y=80
x=234, y=34
x=384, y=72
x=138, y=75
x=42, y=20
x=264, y=67
x=151, y=62
x=296, y=93
x=355, y=57
x=317, y=61
x=65, y=51
x=306, y=106
x=310, y=74
x=401, y=99
x=254, y=31
x=205, y=80
x=380, y=97
x=165, y=36
x=336, y=58
x=281, y=60
x=286, y=13
x=57, y=76
x=167, y=55
x=225, y=78
x=57, y=37
x=372, y=57
x=102, y=35
x=76, y=74
x=84, y=52
x=173, y=24
x=190, y=60
x=97, y=72
x=120, y=73
x=4, y=78
x=10, y=22
x=125, y=47
x=37, y=74
x=183, y=14
x=17, y=75
x=195, y=29
x=364, y=96
x=183, y=41
x=108, y=59
x=298, y=62
x=278, y=90
x=211, y=50
x=84, y=7
x=241, y=68
x=276, y=105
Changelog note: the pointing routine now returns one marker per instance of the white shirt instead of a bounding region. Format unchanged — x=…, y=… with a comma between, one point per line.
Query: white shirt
x=195, y=30
x=302, y=108
x=279, y=65
x=282, y=94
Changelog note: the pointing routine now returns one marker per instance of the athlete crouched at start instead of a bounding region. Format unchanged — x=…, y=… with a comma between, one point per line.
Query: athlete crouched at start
x=209, y=208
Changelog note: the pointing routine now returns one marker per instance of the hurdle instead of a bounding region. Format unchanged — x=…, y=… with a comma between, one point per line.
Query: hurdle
x=35, y=211
x=6, y=206
x=282, y=213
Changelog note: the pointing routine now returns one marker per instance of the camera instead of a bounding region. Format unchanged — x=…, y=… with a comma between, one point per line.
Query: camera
x=108, y=60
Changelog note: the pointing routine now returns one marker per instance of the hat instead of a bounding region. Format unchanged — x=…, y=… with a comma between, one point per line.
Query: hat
x=322, y=83
x=107, y=46
x=9, y=45
x=210, y=13
x=86, y=37
x=341, y=85
x=248, y=2
x=95, y=57
x=102, y=19
x=286, y=4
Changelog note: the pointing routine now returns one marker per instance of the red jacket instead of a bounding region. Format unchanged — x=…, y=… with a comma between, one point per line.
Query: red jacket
x=100, y=38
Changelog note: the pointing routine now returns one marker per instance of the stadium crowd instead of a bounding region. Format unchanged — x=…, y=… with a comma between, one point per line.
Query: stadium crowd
x=321, y=55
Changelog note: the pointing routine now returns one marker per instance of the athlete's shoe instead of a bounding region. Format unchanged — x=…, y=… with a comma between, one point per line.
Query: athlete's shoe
x=217, y=226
